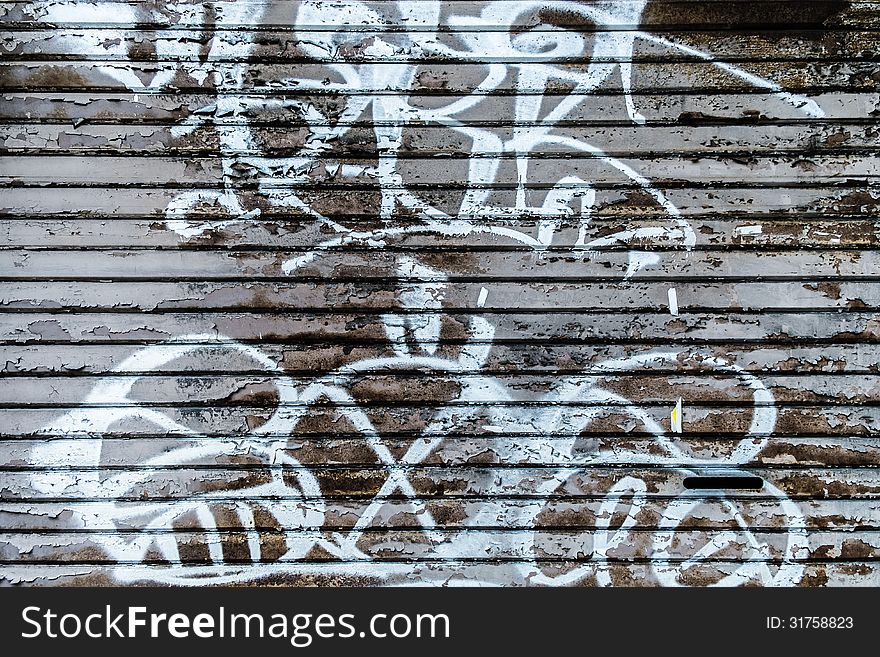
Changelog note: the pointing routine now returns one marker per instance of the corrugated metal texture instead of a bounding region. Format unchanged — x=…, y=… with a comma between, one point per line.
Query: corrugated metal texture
x=393, y=292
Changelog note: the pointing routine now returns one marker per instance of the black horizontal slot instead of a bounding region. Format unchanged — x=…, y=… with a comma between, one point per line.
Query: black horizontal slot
x=738, y=483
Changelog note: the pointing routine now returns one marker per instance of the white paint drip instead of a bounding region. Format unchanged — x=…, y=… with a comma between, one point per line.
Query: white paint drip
x=672, y=297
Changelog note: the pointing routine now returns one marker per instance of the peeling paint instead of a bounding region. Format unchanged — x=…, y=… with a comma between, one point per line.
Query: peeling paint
x=389, y=293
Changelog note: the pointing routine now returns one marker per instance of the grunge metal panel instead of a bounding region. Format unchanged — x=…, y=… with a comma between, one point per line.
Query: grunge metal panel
x=527, y=293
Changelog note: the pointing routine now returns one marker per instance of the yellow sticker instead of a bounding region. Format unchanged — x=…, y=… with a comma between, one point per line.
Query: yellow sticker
x=675, y=417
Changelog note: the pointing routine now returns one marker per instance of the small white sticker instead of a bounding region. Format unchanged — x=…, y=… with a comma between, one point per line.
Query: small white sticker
x=673, y=301
x=748, y=230
x=481, y=300
x=675, y=417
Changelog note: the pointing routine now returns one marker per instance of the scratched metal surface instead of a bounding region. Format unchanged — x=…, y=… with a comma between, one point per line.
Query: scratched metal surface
x=405, y=292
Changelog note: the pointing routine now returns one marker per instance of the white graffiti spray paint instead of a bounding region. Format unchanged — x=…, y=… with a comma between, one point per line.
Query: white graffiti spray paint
x=532, y=58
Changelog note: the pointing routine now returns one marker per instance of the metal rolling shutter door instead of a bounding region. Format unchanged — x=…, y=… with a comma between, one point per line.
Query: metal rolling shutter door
x=383, y=292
